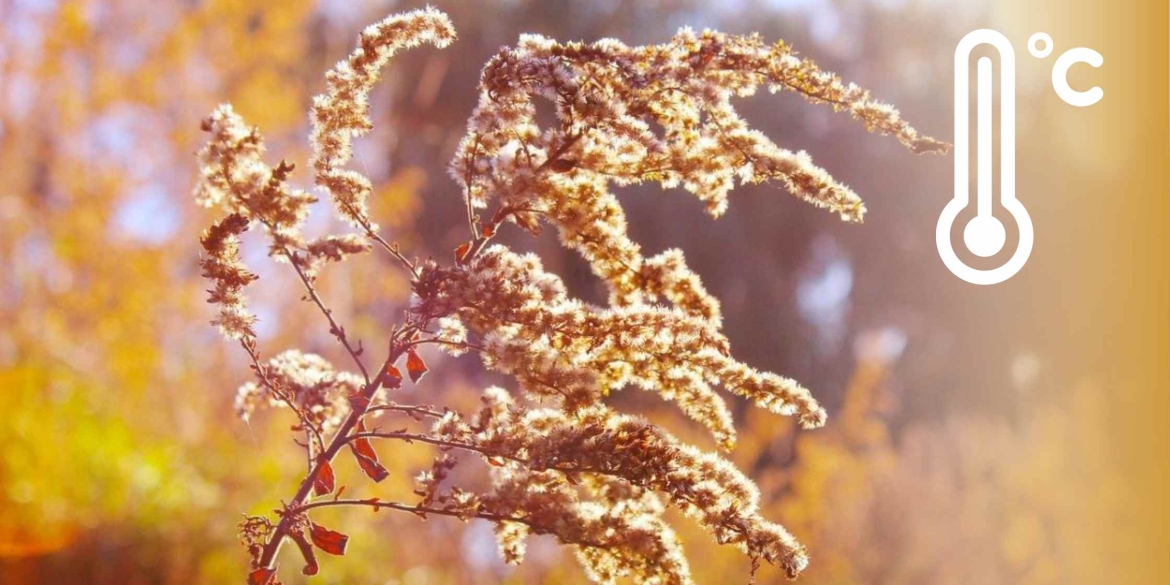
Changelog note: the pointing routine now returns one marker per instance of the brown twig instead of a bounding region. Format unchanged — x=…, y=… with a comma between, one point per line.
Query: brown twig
x=340, y=439
x=311, y=431
x=418, y=509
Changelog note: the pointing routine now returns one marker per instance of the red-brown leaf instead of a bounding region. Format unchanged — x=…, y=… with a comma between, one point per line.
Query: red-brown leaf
x=371, y=467
x=358, y=401
x=461, y=251
x=488, y=231
x=367, y=457
x=362, y=445
x=327, y=540
x=261, y=576
x=415, y=366
x=323, y=482
x=393, y=378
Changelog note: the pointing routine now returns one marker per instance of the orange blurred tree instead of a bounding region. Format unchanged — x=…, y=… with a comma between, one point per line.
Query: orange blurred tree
x=108, y=401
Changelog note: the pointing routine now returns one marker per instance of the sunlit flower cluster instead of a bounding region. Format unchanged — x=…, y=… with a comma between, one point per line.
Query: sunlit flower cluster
x=563, y=463
x=559, y=346
x=312, y=384
x=615, y=537
x=234, y=177
x=223, y=266
x=621, y=450
x=331, y=248
x=660, y=113
x=342, y=113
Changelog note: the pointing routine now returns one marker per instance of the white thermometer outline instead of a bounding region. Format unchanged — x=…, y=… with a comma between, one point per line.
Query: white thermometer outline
x=985, y=235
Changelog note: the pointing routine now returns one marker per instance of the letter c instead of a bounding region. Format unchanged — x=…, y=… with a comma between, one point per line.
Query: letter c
x=1071, y=96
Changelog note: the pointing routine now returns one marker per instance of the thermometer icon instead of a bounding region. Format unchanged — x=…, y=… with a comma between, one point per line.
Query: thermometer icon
x=984, y=235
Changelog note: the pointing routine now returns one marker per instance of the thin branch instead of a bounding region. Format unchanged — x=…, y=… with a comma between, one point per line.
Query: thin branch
x=392, y=249
x=431, y=440
x=441, y=341
x=339, y=440
x=449, y=444
x=262, y=374
x=377, y=504
x=421, y=510
x=335, y=329
x=407, y=409
x=469, y=180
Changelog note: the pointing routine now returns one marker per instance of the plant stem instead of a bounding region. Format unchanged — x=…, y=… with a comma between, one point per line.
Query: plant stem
x=339, y=440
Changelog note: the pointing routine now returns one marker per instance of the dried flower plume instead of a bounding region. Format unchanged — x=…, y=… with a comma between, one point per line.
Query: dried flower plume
x=563, y=462
x=342, y=113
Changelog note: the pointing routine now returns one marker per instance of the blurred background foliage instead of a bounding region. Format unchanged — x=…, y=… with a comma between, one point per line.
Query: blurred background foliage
x=121, y=462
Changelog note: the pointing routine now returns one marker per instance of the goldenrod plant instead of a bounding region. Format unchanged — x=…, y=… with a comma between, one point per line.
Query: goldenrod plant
x=560, y=460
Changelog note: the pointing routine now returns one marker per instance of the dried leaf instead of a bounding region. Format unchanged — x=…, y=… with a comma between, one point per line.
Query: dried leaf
x=371, y=467
x=393, y=378
x=488, y=231
x=327, y=540
x=367, y=457
x=362, y=445
x=323, y=482
x=262, y=576
x=415, y=366
x=461, y=251
x=358, y=401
